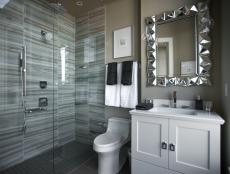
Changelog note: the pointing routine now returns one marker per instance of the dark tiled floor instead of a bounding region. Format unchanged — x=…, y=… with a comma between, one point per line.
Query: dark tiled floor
x=73, y=158
x=90, y=167
x=66, y=158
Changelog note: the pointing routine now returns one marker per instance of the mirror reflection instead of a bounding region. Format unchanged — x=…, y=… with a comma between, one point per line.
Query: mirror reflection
x=176, y=47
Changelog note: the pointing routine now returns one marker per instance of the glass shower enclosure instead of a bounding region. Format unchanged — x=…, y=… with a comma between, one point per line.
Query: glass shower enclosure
x=49, y=112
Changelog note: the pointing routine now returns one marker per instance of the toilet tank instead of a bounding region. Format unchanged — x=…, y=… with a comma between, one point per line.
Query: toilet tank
x=119, y=125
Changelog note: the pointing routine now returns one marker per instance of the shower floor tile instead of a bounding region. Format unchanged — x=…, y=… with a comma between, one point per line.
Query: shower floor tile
x=66, y=159
x=72, y=158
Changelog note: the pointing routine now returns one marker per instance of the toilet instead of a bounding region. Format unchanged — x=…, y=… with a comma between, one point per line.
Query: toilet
x=112, y=146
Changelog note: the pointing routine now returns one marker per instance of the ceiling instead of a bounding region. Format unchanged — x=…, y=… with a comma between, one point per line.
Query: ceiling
x=75, y=10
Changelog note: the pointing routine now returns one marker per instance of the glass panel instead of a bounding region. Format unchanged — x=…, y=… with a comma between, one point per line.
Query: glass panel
x=11, y=110
x=26, y=105
x=64, y=38
x=38, y=38
x=80, y=75
x=50, y=113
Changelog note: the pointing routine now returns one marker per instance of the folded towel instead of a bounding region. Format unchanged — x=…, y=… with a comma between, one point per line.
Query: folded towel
x=144, y=106
x=112, y=74
x=126, y=76
x=113, y=92
x=129, y=94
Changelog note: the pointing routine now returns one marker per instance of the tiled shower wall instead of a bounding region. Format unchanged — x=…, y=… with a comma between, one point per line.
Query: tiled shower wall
x=11, y=113
x=90, y=75
x=21, y=22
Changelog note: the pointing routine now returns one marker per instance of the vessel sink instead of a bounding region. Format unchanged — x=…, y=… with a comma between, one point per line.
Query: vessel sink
x=173, y=111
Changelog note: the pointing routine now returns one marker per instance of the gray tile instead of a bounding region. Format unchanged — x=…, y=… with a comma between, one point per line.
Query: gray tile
x=66, y=159
x=90, y=51
x=92, y=163
x=125, y=169
x=21, y=22
x=84, y=170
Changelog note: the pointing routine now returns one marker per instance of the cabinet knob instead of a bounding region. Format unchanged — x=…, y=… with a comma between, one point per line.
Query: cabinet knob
x=164, y=145
x=172, y=147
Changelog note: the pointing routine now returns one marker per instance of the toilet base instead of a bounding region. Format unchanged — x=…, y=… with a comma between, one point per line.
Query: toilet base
x=112, y=162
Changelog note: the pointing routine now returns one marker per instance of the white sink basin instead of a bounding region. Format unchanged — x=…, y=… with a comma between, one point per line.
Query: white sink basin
x=173, y=111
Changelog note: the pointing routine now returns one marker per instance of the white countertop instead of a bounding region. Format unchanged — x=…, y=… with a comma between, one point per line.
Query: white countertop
x=171, y=113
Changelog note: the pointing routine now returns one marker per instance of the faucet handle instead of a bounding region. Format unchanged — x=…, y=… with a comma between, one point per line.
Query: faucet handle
x=147, y=100
x=174, y=99
x=174, y=94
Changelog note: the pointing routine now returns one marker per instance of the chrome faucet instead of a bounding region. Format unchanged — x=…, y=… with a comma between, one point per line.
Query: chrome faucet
x=174, y=102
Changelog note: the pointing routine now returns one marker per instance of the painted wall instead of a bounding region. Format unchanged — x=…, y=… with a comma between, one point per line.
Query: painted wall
x=225, y=62
x=119, y=14
x=153, y=7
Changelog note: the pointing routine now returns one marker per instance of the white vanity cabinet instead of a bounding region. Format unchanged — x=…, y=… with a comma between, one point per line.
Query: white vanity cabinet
x=147, y=137
x=173, y=145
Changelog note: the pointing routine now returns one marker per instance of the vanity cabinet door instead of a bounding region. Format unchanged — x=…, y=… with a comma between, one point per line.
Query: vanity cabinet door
x=194, y=147
x=150, y=140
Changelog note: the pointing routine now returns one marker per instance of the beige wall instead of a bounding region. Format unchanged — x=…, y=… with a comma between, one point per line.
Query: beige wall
x=119, y=14
x=153, y=7
x=225, y=79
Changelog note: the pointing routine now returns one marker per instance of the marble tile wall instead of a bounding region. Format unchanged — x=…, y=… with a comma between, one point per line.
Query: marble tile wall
x=11, y=115
x=38, y=136
x=21, y=22
x=90, y=75
x=65, y=40
x=75, y=91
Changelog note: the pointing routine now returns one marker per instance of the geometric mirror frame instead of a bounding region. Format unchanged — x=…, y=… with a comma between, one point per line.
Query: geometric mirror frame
x=203, y=47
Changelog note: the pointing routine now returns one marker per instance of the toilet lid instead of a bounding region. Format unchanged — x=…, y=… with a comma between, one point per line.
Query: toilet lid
x=108, y=139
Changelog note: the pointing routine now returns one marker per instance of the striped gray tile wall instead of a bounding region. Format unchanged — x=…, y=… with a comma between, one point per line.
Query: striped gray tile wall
x=11, y=115
x=40, y=59
x=66, y=87
x=90, y=75
x=21, y=22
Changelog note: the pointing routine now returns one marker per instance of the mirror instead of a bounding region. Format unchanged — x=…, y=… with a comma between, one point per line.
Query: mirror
x=178, y=47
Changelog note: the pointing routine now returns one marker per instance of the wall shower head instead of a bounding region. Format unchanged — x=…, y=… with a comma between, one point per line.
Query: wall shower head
x=47, y=36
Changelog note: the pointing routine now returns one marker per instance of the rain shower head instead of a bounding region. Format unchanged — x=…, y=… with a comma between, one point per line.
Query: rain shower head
x=58, y=7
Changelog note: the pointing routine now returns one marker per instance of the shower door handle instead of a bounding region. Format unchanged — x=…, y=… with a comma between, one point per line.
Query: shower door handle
x=24, y=127
x=24, y=63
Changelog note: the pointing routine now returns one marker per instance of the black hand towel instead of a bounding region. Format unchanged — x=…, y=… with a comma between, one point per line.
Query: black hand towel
x=112, y=74
x=127, y=71
x=144, y=106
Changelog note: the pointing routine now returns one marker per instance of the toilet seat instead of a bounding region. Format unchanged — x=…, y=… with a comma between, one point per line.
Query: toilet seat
x=107, y=142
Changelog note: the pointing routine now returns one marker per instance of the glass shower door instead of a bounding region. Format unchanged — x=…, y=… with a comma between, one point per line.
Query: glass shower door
x=26, y=87
x=65, y=149
x=11, y=110
x=39, y=99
